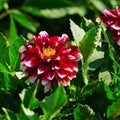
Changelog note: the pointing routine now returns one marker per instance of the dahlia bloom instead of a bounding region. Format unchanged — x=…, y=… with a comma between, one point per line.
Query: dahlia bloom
x=48, y=60
x=112, y=19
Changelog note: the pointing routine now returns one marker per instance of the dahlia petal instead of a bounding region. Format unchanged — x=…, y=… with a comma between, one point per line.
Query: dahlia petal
x=41, y=39
x=32, y=79
x=31, y=62
x=43, y=35
x=74, y=54
x=23, y=66
x=74, y=66
x=66, y=83
x=40, y=71
x=44, y=82
x=62, y=73
x=72, y=75
x=47, y=87
x=64, y=39
x=42, y=68
x=22, y=49
x=55, y=66
x=50, y=75
x=66, y=51
x=118, y=40
x=115, y=27
x=71, y=57
x=66, y=67
x=27, y=63
x=56, y=57
x=53, y=41
x=107, y=12
x=118, y=10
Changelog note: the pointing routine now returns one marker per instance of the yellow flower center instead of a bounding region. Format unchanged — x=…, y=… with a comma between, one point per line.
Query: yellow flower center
x=48, y=52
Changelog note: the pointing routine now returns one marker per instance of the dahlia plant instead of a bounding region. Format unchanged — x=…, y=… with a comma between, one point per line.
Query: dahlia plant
x=58, y=78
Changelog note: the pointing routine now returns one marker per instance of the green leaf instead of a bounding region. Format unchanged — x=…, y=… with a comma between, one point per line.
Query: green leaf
x=84, y=112
x=3, y=69
x=3, y=49
x=90, y=42
x=114, y=110
x=28, y=97
x=2, y=117
x=86, y=24
x=55, y=12
x=109, y=92
x=96, y=59
x=52, y=105
x=77, y=32
x=2, y=2
x=13, y=32
x=101, y=6
x=24, y=20
x=50, y=3
x=10, y=115
x=105, y=76
x=116, y=91
x=27, y=114
x=13, y=53
x=8, y=83
x=88, y=46
x=89, y=89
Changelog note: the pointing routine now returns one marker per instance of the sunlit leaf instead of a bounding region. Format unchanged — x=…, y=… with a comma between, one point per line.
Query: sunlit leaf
x=105, y=76
x=52, y=104
x=55, y=12
x=89, y=42
x=27, y=114
x=77, y=32
x=88, y=45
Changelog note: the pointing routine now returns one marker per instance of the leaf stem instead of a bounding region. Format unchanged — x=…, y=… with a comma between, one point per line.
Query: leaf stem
x=7, y=12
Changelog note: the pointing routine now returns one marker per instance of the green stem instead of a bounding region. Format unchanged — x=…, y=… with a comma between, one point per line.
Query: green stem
x=7, y=12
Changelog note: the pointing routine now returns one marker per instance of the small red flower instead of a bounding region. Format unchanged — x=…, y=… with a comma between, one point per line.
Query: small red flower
x=112, y=19
x=48, y=59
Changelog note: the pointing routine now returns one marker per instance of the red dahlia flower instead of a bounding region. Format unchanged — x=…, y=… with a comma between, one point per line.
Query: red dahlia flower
x=112, y=19
x=48, y=59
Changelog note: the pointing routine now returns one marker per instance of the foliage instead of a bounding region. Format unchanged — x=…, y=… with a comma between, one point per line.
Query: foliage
x=93, y=95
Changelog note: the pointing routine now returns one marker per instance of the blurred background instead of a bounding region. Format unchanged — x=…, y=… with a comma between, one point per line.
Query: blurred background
x=28, y=17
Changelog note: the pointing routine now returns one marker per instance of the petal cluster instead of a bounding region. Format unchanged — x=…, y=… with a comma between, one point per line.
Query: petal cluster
x=112, y=19
x=49, y=60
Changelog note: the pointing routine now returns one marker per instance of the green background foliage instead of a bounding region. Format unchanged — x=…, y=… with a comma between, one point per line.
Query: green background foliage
x=93, y=95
